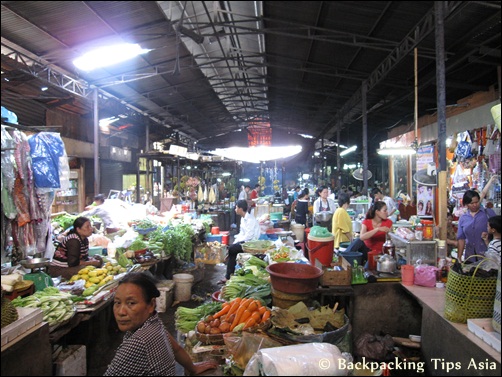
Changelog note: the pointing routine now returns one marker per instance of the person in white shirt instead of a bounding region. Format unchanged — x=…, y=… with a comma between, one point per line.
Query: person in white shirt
x=243, y=195
x=323, y=204
x=105, y=212
x=377, y=195
x=249, y=230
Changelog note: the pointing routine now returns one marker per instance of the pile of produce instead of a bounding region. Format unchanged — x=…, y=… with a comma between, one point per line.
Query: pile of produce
x=97, y=277
x=57, y=306
x=257, y=247
x=9, y=312
x=186, y=319
x=236, y=315
x=251, y=281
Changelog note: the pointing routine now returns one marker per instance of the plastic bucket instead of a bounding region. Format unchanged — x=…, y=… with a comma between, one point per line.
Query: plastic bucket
x=321, y=249
x=215, y=230
x=224, y=239
x=183, y=287
x=299, y=231
x=372, y=259
x=352, y=256
x=407, y=274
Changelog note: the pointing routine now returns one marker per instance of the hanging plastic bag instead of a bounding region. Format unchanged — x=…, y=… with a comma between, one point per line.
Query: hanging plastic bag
x=425, y=275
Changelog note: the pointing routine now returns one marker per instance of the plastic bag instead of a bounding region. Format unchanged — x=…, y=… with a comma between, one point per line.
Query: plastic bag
x=464, y=149
x=46, y=148
x=244, y=345
x=425, y=275
x=319, y=231
x=310, y=359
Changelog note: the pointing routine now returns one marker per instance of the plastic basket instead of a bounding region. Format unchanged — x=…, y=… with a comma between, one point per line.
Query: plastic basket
x=469, y=296
x=496, y=307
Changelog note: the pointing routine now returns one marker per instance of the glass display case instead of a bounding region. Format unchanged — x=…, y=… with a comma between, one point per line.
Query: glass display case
x=71, y=200
x=412, y=251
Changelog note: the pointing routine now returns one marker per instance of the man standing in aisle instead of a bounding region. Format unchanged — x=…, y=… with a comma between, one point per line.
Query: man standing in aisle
x=255, y=193
x=107, y=214
x=250, y=230
x=377, y=195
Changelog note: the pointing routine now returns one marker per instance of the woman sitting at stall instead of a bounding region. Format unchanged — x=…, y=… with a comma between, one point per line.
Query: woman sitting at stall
x=375, y=227
x=147, y=348
x=72, y=253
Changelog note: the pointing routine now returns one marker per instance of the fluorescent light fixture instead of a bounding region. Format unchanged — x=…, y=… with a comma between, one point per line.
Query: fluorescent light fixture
x=177, y=150
x=257, y=154
x=306, y=176
x=348, y=150
x=192, y=156
x=244, y=179
x=44, y=88
x=226, y=174
x=397, y=151
x=108, y=55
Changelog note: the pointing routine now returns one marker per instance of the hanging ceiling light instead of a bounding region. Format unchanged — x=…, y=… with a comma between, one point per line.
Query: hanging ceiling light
x=108, y=55
x=397, y=151
x=348, y=150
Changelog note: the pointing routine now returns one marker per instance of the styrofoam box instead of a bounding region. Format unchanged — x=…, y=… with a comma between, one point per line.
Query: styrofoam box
x=483, y=328
x=28, y=318
x=72, y=361
x=166, y=297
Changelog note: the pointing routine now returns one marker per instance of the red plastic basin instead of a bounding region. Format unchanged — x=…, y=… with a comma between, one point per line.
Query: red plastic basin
x=294, y=277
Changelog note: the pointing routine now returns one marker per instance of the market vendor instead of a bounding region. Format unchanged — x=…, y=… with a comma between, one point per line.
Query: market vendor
x=376, y=226
x=323, y=204
x=72, y=254
x=100, y=209
x=250, y=230
x=147, y=348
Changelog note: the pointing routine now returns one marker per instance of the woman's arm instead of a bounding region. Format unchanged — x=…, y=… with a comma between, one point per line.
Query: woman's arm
x=183, y=358
x=487, y=187
x=460, y=248
x=367, y=234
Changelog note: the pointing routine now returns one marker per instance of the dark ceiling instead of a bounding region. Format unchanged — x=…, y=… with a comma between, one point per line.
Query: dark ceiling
x=216, y=67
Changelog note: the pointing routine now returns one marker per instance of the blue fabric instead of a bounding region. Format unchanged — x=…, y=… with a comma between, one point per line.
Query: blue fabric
x=46, y=148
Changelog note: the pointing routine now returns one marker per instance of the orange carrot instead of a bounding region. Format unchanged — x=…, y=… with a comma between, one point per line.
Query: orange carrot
x=224, y=310
x=235, y=305
x=262, y=309
x=257, y=316
x=252, y=307
x=265, y=316
x=249, y=323
x=237, y=318
x=245, y=316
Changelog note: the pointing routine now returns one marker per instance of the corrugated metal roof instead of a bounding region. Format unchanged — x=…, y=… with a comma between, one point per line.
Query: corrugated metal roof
x=215, y=67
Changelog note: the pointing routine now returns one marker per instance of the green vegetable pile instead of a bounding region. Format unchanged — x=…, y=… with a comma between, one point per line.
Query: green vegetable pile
x=251, y=281
x=146, y=224
x=176, y=241
x=57, y=306
x=186, y=319
x=137, y=244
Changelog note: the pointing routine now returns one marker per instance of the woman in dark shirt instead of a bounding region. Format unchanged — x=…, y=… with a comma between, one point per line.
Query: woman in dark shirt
x=301, y=207
x=72, y=254
x=147, y=348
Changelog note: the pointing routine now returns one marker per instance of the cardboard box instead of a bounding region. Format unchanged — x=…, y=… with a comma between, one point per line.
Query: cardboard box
x=72, y=361
x=337, y=277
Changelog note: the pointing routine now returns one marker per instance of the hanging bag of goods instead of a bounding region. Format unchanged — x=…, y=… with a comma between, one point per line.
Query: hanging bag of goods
x=469, y=296
x=464, y=147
